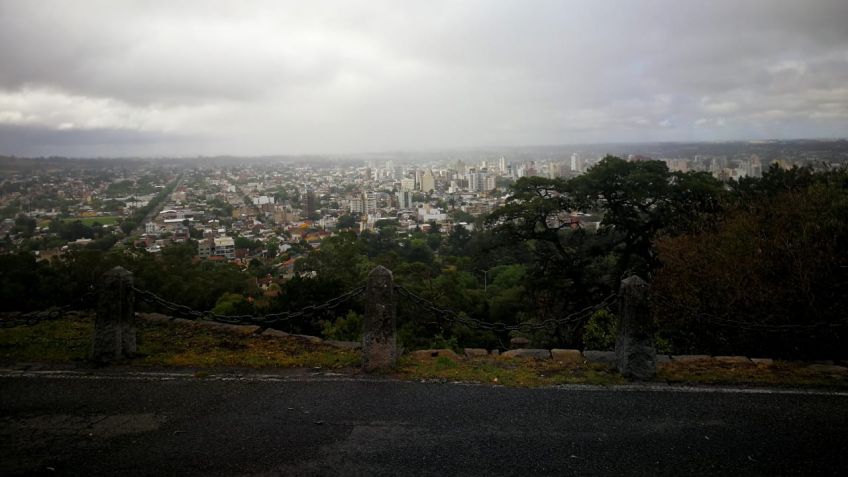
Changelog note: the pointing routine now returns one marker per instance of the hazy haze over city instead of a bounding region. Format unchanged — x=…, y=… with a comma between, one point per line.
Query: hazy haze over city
x=81, y=78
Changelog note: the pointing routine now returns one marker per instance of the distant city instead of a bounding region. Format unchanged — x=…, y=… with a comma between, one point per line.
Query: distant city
x=229, y=205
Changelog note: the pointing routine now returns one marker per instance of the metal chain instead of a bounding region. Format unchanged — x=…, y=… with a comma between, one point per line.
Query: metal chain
x=746, y=325
x=35, y=317
x=270, y=319
x=450, y=315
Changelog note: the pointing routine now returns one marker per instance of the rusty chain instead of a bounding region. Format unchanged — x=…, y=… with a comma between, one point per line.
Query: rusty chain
x=724, y=322
x=32, y=318
x=471, y=322
x=267, y=320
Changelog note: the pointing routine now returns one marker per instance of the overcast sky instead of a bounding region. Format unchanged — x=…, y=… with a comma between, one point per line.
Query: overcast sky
x=183, y=77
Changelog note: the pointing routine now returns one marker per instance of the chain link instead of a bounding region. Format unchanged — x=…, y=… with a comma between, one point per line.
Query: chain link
x=471, y=322
x=274, y=319
x=268, y=320
x=747, y=325
x=35, y=317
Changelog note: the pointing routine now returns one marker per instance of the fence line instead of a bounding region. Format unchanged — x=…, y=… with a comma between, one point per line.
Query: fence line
x=35, y=317
x=272, y=319
x=747, y=325
x=269, y=319
x=471, y=322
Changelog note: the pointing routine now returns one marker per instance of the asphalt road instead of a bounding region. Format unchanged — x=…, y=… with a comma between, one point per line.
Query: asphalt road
x=225, y=424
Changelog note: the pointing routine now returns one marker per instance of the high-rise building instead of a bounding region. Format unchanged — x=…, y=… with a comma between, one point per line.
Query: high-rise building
x=755, y=166
x=370, y=202
x=428, y=182
x=404, y=199
x=419, y=174
x=490, y=183
x=576, y=163
x=407, y=184
x=480, y=181
x=554, y=170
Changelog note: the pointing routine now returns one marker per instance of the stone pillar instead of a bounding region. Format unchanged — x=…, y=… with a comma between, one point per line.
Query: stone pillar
x=636, y=356
x=114, y=327
x=379, y=331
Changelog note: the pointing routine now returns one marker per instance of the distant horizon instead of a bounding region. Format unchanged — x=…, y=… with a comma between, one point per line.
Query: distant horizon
x=446, y=149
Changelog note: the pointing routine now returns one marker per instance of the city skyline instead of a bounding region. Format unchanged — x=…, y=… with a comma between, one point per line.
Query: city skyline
x=138, y=79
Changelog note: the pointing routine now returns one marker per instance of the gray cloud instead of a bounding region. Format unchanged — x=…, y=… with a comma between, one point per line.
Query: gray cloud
x=280, y=77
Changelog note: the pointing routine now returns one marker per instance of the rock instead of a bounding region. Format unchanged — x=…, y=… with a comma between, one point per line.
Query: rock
x=210, y=324
x=567, y=355
x=154, y=317
x=762, y=361
x=475, y=352
x=423, y=354
x=343, y=344
x=519, y=342
x=184, y=321
x=688, y=358
x=228, y=328
x=828, y=368
x=527, y=353
x=275, y=333
x=495, y=352
x=309, y=338
x=35, y=315
x=732, y=360
x=605, y=357
x=244, y=329
x=663, y=359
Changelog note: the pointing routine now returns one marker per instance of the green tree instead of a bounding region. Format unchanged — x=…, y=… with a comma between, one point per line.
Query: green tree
x=341, y=259
x=347, y=222
x=127, y=226
x=232, y=304
x=778, y=257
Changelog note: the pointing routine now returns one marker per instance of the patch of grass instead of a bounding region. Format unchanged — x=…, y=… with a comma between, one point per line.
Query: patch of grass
x=781, y=374
x=507, y=372
x=169, y=344
x=56, y=341
x=186, y=345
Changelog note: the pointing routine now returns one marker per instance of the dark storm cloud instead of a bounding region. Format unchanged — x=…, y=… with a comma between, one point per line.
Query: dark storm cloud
x=269, y=77
x=42, y=141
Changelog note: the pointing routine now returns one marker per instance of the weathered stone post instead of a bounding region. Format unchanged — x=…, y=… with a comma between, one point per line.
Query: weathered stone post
x=379, y=333
x=636, y=356
x=114, y=327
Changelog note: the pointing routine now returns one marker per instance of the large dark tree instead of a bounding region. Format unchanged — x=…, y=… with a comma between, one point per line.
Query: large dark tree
x=635, y=201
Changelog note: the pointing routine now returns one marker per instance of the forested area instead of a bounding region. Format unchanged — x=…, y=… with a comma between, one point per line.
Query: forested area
x=757, y=266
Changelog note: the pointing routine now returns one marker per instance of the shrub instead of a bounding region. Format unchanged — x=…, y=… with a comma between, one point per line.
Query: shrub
x=346, y=328
x=600, y=331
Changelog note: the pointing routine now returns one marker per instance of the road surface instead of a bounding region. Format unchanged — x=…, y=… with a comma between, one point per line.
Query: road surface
x=125, y=422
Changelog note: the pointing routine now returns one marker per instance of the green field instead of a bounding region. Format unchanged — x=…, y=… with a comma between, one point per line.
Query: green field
x=107, y=220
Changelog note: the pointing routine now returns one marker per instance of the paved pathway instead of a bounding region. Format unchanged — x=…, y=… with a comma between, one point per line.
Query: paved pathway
x=297, y=423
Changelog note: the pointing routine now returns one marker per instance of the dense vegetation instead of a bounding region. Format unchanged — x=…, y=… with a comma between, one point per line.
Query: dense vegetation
x=730, y=265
